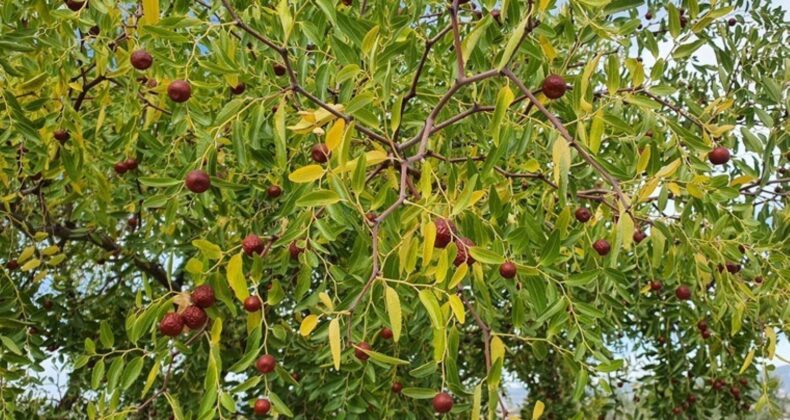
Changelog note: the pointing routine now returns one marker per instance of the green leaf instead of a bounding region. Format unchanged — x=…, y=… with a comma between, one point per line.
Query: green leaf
x=318, y=198
x=279, y=405
x=383, y=358
x=157, y=181
x=512, y=42
x=209, y=250
x=97, y=374
x=419, y=393
x=431, y=305
x=686, y=50
x=106, y=336
x=11, y=345
x=131, y=372
x=485, y=256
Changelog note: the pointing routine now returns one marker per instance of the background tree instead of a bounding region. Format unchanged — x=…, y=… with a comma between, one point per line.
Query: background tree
x=371, y=209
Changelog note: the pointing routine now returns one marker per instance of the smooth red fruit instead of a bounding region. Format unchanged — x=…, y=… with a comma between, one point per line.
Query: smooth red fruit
x=194, y=317
x=648, y=16
x=266, y=363
x=733, y=267
x=705, y=334
x=554, y=86
x=320, y=153
x=732, y=22
x=348, y=2
x=120, y=168
x=655, y=285
x=463, y=255
x=639, y=236
x=758, y=279
x=702, y=324
x=274, y=191
x=602, y=247
x=94, y=30
x=442, y=402
x=238, y=89
x=132, y=222
x=279, y=69
x=445, y=229
x=252, y=244
x=691, y=399
x=74, y=5
x=12, y=265
x=507, y=270
x=583, y=214
x=294, y=250
x=371, y=217
x=61, y=135
x=141, y=59
x=179, y=91
x=683, y=292
x=131, y=164
x=385, y=333
x=736, y=392
x=197, y=181
x=719, y=156
x=203, y=296
x=359, y=350
x=171, y=324
x=262, y=407
x=396, y=387
x=252, y=303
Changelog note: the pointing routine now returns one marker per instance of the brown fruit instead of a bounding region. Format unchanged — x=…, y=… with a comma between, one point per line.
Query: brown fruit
x=683, y=21
x=602, y=247
x=385, y=333
x=279, y=69
x=94, y=30
x=732, y=267
x=61, y=135
x=266, y=363
x=359, y=350
x=583, y=214
x=702, y=324
x=639, y=236
x=348, y=2
x=194, y=317
x=74, y=5
x=252, y=303
x=238, y=89
x=131, y=164
x=171, y=324
x=758, y=279
x=252, y=244
x=683, y=292
x=507, y=270
x=294, y=250
x=396, y=387
x=554, y=86
x=262, y=407
x=12, y=265
x=445, y=230
x=320, y=153
x=141, y=59
x=179, y=91
x=274, y=191
x=371, y=217
x=197, y=181
x=705, y=334
x=463, y=255
x=732, y=21
x=120, y=168
x=648, y=16
x=203, y=296
x=655, y=285
x=719, y=156
x=132, y=222
x=442, y=402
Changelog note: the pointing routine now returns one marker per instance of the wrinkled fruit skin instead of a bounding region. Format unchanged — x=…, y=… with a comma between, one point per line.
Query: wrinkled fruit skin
x=252, y=303
x=194, y=317
x=320, y=153
x=683, y=292
x=266, y=363
x=719, y=156
x=583, y=215
x=359, y=353
x=444, y=233
x=385, y=333
x=203, y=296
x=442, y=402
x=602, y=247
x=463, y=255
x=61, y=135
x=294, y=250
x=396, y=387
x=252, y=244
x=238, y=89
x=179, y=91
x=554, y=86
x=197, y=181
x=274, y=191
x=507, y=270
x=141, y=59
x=639, y=236
x=262, y=407
x=171, y=324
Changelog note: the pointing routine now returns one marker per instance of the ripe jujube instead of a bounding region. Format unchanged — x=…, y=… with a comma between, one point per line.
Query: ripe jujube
x=252, y=303
x=463, y=255
x=385, y=333
x=554, y=86
x=320, y=153
x=266, y=363
x=203, y=296
x=507, y=270
x=252, y=244
x=445, y=229
x=359, y=350
x=171, y=324
x=197, y=181
x=602, y=247
x=683, y=292
x=194, y=317
x=274, y=191
x=719, y=156
x=179, y=91
x=141, y=59
x=583, y=214
x=262, y=407
x=442, y=402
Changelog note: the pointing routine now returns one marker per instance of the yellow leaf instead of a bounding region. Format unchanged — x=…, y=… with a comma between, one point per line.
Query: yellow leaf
x=57, y=259
x=743, y=179
x=457, y=307
x=625, y=229
x=31, y=265
x=393, y=311
x=747, y=362
x=50, y=250
x=718, y=131
x=236, y=280
x=25, y=254
x=538, y=410
x=441, y=266
x=669, y=169
x=532, y=165
x=548, y=50
x=40, y=236
x=150, y=12
x=771, y=334
x=644, y=159
x=425, y=179
x=216, y=330
x=151, y=378
x=326, y=300
x=458, y=276
x=429, y=237
x=373, y=157
x=497, y=349
x=334, y=342
x=335, y=134
x=695, y=190
x=561, y=157
x=675, y=188
x=308, y=325
x=648, y=189
x=306, y=174
x=476, y=196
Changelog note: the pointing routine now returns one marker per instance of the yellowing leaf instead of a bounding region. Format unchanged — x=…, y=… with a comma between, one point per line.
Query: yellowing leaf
x=548, y=50
x=393, y=311
x=334, y=342
x=747, y=362
x=743, y=179
x=644, y=159
x=210, y=250
x=373, y=157
x=306, y=174
x=308, y=325
x=532, y=165
x=50, y=250
x=326, y=300
x=561, y=157
x=459, y=275
x=31, y=265
x=497, y=349
x=647, y=189
x=429, y=238
x=625, y=230
x=771, y=334
x=335, y=134
x=236, y=280
x=538, y=410
x=25, y=254
x=150, y=12
x=431, y=305
x=669, y=169
x=457, y=307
